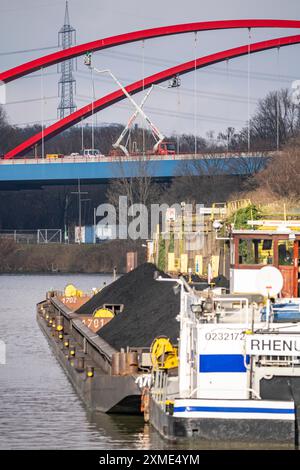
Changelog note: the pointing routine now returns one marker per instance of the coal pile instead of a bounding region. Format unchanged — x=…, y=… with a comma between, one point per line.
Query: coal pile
x=150, y=309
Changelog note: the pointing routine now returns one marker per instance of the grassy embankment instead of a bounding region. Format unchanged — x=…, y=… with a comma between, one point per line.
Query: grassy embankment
x=22, y=258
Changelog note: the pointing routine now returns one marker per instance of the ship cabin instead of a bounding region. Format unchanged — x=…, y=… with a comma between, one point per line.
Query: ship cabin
x=272, y=243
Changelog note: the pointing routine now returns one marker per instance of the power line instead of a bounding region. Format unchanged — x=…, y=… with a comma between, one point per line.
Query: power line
x=168, y=112
x=209, y=94
x=27, y=7
x=31, y=100
x=24, y=124
x=236, y=72
x=156, y=61
x=27, y=50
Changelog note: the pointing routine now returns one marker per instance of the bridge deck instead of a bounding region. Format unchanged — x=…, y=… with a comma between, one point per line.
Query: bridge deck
x=105, y=168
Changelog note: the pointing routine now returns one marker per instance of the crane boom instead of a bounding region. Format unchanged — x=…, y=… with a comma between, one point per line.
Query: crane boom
x=131, y=120
x=158, y=136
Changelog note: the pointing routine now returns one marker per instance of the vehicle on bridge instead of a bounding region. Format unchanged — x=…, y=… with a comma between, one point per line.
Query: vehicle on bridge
x=166, y=148
x=163, y=148
x=92, y=153
x=54, y=156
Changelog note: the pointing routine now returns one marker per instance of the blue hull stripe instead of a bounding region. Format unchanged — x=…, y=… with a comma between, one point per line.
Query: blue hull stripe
x=222, y=363
x=181, y=409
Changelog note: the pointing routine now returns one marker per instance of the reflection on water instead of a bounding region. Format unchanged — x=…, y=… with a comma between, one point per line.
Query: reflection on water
x=39, y=407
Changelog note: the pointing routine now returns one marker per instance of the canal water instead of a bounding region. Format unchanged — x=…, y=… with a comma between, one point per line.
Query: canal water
x=39, y=408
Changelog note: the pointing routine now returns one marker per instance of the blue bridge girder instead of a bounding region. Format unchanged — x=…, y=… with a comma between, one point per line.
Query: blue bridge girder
x=92, y=169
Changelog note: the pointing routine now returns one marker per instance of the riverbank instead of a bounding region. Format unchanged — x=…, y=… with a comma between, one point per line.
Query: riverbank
x=61, y=258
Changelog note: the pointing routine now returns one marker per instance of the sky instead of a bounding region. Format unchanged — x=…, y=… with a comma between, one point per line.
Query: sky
x=210, y=99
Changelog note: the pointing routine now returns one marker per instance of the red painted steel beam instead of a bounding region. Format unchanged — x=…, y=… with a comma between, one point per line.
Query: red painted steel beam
x=75, y=51
x=135, y=87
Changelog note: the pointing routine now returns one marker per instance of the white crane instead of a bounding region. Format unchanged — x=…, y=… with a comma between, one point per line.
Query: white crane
x=174, y=83
x=129, y=124
x=157, y=134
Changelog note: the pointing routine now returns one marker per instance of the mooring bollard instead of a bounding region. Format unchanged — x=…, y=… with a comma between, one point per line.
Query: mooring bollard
x=59, y=323
x=115, y=364
x=80, y=363
x=72, y=349
x=122, y=363
x=132, y=362
x=90, y=371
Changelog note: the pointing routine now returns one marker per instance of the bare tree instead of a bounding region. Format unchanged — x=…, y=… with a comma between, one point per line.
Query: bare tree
x=282, y=175
x=204, y=180
x=135, y=180
x=229, y=139
x=277, y=117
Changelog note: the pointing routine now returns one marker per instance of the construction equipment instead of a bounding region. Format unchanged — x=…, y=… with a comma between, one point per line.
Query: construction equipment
x=158, y=136
x=127, y=128
x=165, y=148
x=163, y=354
x=175, y=82
x=160, y=147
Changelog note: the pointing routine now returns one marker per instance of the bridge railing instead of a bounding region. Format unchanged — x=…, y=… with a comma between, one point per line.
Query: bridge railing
x=133, y=158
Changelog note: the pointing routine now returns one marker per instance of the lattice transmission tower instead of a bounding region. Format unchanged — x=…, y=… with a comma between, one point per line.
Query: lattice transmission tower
x=67, y=82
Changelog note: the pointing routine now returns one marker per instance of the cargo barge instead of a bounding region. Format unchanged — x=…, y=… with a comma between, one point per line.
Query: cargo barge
x=103, y=340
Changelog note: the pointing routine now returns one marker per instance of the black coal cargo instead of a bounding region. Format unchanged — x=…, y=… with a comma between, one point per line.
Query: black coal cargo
x=150, y=309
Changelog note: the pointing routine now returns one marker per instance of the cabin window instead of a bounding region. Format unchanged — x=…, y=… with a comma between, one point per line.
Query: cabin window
x=256, y=251
x=285, y=253
x=116, y=308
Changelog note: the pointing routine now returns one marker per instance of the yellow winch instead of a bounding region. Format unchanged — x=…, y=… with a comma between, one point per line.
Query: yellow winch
x=163, y=354
x=72, y=291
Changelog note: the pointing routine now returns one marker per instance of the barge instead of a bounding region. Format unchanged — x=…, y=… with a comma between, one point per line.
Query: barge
x=88, y=360
x=103, y=341
x=239, y=371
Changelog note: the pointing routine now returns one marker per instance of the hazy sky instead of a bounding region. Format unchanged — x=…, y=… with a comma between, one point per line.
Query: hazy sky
x=220, y=90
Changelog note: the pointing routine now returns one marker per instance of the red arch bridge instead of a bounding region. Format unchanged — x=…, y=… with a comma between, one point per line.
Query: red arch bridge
x=7, y=170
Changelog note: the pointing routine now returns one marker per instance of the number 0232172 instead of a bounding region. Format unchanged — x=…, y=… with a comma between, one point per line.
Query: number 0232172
x=225, y=336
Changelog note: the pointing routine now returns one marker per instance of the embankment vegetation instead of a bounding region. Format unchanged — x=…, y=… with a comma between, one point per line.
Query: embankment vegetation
x=53, y=258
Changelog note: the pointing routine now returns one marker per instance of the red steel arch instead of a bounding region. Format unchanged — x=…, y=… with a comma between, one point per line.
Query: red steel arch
x=75, y=51
x=135, y=87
